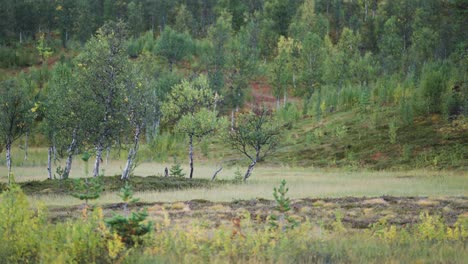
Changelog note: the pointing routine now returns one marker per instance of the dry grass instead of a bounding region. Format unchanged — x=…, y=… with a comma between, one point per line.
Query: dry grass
x=302, y=182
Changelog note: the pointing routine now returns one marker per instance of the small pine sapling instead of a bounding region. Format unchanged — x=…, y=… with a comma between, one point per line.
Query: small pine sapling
x=281, y=220
x=87, y=189
x=176, y=169
x=131, y=228
x=126, y=193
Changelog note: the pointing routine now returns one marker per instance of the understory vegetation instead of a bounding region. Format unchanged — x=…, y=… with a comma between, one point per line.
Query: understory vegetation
x=155, y=131
x=27, y=235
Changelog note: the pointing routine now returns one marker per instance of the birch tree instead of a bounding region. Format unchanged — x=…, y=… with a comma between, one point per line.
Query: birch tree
x=65, y=117
x=16, y=115
x=255, y=135
x=140, y=103
x=103, y=70
x=191, y=109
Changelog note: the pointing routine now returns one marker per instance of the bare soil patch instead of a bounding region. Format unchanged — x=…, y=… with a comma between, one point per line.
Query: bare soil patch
x=358, y=212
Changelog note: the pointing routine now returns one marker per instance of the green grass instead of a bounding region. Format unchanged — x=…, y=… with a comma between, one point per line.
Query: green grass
x=303, y=183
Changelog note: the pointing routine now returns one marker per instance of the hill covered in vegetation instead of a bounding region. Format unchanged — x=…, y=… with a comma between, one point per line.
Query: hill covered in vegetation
x=361, y=84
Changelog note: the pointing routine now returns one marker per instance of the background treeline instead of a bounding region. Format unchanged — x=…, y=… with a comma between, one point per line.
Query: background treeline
x=330, y=55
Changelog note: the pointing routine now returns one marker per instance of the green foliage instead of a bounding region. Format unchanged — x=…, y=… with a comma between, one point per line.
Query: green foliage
x=126, y=193
x=27, y=236
x=238, y=177
x=364, y=101
x=174, y=46
x=20, y=227
x=199, y=124
x=407, y=112
x=130, y=228
x=281, y=220
x=392, y=132
x=43, y=49
x=255, y=135
x=85, y=240
x=288, y=115
x=176, y=169
x=87, y=189
x=433, y=86
x=20, y=56
x=337, y=225
x=430, y=228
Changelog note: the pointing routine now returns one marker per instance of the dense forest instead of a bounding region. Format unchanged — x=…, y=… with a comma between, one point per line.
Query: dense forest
x=313, y=131
x=90, y=75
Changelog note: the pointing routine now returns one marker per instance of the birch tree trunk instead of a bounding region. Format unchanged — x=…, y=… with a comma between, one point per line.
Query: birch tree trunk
x=98, y=160
x=68, y=163
x=26, y=146
x=131, y=155
x=8, y=160
x=250, y=169
x=49, y=162
x=191, y=155
x=232, y=119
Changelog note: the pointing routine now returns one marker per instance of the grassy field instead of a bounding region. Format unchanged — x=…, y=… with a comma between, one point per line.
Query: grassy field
x=345, y=215
x=303, y=183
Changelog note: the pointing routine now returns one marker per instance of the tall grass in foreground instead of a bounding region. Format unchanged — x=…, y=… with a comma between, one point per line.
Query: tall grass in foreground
x=26, y=236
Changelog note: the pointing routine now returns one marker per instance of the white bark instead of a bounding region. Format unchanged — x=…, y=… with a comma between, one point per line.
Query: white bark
x=49, y=161
x=26, y=146
x=249, y=170
x=70, y=150
x=191, y=155
x=8, y=160
x=131, y=155
x=98, y=160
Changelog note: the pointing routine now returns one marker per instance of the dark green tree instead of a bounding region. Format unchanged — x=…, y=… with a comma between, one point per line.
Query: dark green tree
x=16, y=114
x=174, y=46
x=102, y=77
x=219, y=35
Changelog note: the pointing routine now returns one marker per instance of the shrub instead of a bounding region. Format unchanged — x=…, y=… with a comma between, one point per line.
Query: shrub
x=433, y=86
x=85, y=240
x=87, y=189
x=176, y=169
x=289, y=115
x=392, y=132
x=20, y=228
x=27, y=237
x=130, y=228
x=281, y=220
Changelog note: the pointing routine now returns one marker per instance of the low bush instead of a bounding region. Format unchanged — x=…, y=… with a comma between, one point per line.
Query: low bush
x=27, y=237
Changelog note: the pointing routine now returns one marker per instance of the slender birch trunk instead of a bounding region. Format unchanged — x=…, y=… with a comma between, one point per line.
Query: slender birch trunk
x=131, y=154
x=191, y=155
x=49, y=162
x=250, y=169
x=8, y=159
x=26, y=146
x=68, y=163
x=99, y=149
